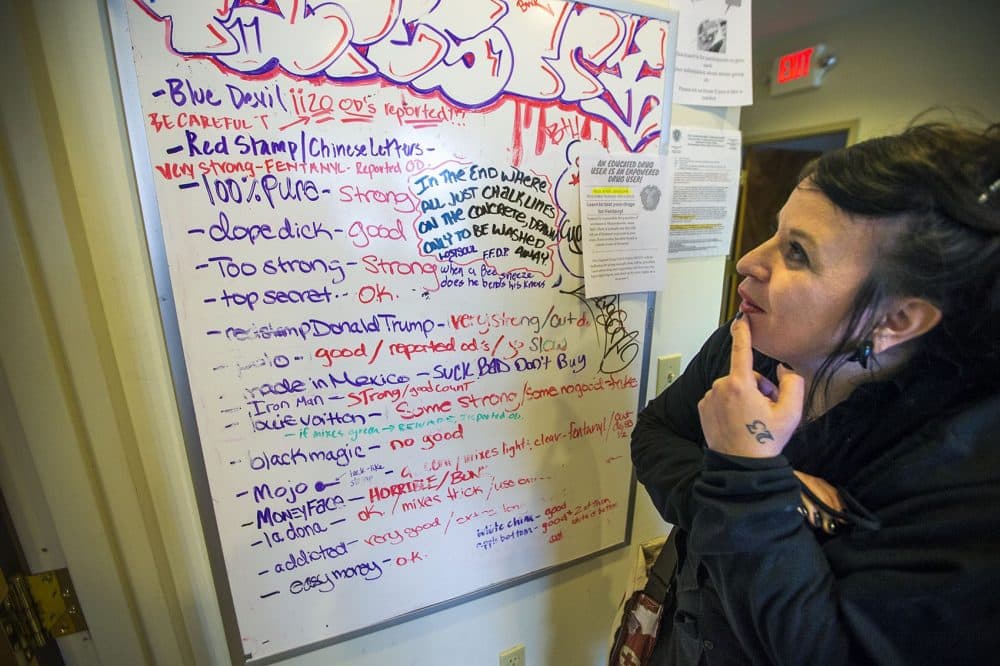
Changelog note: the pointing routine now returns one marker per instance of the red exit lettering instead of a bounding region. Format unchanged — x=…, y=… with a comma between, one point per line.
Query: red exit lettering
x=794, y=65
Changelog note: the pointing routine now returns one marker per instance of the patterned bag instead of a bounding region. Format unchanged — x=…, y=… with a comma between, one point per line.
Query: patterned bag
x=635, y=636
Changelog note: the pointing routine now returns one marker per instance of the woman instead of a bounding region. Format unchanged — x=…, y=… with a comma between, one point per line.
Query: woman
x=831, y=460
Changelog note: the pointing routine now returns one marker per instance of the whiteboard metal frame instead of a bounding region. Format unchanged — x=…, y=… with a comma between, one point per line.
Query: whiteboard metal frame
x=132, y=110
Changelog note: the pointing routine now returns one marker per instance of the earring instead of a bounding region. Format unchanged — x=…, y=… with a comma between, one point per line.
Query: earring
x=862, y=354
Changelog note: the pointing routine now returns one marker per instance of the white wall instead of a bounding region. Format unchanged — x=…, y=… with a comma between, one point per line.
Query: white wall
x=896, y=60
x=96, y=271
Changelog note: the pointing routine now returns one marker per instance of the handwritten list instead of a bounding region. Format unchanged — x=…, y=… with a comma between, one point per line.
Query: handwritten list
x=371, y=219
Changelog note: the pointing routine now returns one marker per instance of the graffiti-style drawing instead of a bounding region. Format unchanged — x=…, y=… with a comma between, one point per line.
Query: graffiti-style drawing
x=608, y=65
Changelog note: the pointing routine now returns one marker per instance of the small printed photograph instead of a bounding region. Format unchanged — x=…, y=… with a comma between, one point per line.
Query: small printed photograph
x=712, y=36
x=650, y=197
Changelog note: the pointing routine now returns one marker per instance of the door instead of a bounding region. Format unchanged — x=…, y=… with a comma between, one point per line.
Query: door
x=7, y=655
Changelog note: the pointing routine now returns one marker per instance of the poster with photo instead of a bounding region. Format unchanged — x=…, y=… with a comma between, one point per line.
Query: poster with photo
x=714, y=53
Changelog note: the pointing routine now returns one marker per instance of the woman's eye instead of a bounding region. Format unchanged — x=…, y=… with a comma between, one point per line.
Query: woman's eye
x=795, y=254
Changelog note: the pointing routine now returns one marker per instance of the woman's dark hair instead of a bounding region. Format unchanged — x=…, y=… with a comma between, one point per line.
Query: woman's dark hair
x=936, y=187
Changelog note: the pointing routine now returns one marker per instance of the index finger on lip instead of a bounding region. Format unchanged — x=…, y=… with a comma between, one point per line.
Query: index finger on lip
x=741, y=357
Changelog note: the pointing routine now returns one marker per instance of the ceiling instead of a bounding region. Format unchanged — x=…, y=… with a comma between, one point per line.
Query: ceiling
x=775, y=17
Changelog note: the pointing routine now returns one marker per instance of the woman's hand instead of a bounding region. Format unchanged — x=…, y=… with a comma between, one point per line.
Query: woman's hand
x=743, y=414
x=815, y=513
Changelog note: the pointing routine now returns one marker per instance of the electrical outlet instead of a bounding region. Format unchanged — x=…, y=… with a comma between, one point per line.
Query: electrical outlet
x=668, y=368
x=512, y=656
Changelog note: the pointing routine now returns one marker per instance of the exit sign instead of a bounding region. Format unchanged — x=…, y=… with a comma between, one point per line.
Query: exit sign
x=795, y=65
x=798, y=70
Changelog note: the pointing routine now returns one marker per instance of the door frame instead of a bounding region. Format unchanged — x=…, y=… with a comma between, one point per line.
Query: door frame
x=849, y=126
x=71, y=475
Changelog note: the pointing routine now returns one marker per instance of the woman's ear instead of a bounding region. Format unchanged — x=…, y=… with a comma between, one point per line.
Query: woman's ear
x=907, y=319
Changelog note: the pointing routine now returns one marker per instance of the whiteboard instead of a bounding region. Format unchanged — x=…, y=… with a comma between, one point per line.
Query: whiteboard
x=363, y=219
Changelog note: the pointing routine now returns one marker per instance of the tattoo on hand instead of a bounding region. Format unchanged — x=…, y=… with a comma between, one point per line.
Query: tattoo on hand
x=760, y=432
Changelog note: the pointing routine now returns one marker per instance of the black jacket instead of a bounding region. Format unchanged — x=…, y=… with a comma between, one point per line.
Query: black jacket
x=913, y=579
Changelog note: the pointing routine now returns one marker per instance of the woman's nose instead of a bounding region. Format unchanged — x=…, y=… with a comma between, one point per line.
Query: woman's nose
x=754, y=263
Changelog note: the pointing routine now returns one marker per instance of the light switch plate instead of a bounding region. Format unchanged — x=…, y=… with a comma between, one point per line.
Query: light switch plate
x=668, y=368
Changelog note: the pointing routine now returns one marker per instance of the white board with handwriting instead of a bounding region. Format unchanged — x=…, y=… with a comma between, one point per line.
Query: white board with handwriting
x=369, y=213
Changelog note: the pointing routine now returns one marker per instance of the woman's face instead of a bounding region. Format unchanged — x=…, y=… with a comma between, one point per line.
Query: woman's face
x=800, y=283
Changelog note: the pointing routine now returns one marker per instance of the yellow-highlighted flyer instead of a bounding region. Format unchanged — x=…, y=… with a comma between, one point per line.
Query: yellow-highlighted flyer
x=625, y=215
x=705, y=171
